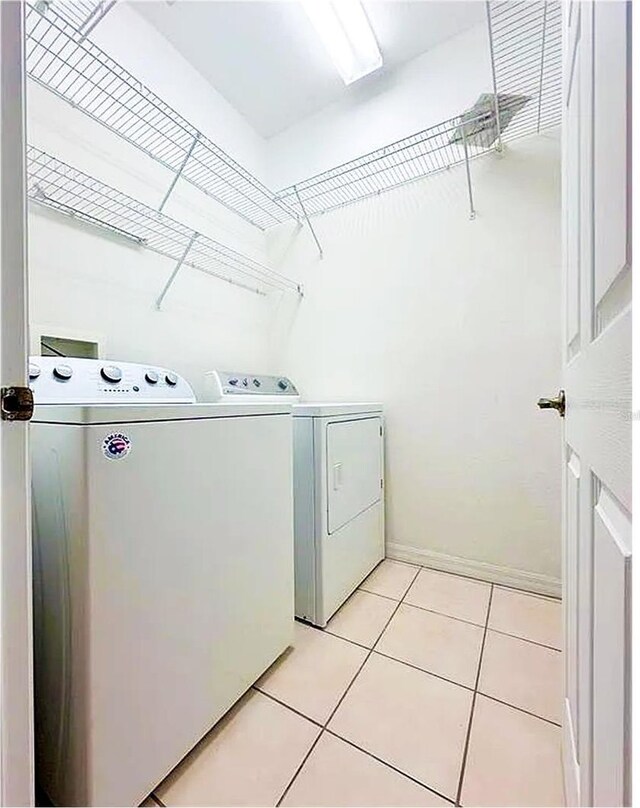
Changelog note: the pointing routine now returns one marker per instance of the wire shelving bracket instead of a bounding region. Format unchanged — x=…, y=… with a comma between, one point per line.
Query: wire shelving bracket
x=78, y=71
x=61, y=187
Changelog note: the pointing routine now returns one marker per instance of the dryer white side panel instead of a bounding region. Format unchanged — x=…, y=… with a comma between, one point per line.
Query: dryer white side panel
x=305, y=530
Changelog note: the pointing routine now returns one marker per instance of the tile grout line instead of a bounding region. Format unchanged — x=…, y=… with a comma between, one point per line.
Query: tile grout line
x=467, y=740
x=520, y=709
x=342, y=698
x=388, y=765
x=289, y=707
x=526, y=639
x=300, y=767
x=442, y=614
x=469, y=688
x=369, y=592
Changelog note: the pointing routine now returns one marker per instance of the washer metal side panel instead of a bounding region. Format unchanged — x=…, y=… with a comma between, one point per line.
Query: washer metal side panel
x=188, y=552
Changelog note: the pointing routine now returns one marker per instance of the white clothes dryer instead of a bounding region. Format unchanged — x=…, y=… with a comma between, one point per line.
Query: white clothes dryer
x=338, y=478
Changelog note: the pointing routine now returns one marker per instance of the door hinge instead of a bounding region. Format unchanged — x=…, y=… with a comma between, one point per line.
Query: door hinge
x=16, y=403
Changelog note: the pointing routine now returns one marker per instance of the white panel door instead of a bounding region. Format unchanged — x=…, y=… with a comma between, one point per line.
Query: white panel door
x=16, y=732
x=354, y=469
x=597, y=379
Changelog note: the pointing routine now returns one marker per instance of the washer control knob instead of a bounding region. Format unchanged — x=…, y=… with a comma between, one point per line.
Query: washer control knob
x=111, y=373
x=62, y=372
x=257, y=382
x=151, y=376
x=233, y=382
x=283, y=384
x=171, y=379
x=34, y=371
x=245, y=382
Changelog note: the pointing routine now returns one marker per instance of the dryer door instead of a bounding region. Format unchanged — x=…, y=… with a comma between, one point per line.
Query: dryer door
x=354, y=469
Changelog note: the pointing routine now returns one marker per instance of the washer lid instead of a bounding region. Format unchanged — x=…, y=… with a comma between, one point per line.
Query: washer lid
x=328, y=408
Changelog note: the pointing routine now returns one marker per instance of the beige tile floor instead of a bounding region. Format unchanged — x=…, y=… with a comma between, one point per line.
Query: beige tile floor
x=425, y=689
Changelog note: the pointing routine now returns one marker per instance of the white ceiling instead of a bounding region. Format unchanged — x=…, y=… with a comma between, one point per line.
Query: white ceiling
x=265, y=58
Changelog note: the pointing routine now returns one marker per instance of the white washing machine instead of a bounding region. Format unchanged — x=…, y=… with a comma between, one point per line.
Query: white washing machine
x=163, y=569
x=338, y=464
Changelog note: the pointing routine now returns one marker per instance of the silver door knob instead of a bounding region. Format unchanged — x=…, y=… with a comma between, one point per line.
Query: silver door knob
x=558, y=403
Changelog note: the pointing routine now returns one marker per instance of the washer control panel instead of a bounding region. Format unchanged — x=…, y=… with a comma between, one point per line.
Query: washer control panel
x=58, y=380
x=221, y=384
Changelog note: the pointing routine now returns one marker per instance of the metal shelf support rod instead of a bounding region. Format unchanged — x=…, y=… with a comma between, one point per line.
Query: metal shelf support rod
x=496, y=104
x=98, y=14
x=178, y=173
x=472, y=210
x=176, y=269
x=304, y=213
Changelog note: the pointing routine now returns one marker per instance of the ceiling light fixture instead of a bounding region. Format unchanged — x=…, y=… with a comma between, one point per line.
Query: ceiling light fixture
x=347, y=36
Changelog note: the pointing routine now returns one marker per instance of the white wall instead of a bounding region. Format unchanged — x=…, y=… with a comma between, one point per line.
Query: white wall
x=137, y=45
x=453, y=324
x=101, y=287
x=88, y=282
x=433, y=87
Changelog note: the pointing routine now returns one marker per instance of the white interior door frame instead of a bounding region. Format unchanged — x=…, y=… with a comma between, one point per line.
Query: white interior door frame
x=16, y=680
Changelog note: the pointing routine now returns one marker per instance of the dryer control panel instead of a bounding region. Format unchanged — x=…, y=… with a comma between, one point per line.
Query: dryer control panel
x=62, y=380
x=221, y=384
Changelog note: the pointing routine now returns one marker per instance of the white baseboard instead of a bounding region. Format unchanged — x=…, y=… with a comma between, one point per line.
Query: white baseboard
x=570, y=768
x=518, y=579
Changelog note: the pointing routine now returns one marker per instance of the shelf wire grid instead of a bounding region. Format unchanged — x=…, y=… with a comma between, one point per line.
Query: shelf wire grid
x=526, y=48
x=78, y=71
x=525, y=39
x=61, y=187
x=423, y=154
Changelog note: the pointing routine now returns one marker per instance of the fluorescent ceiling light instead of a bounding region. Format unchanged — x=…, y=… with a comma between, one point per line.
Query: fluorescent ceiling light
x=345, y=32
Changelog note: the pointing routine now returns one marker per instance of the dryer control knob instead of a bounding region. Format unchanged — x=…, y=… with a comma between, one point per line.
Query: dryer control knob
x=111, y=373
x=257, y=382
x=171, y=379
x=233, y=382
x=151, y=376
x=34, y=371
x=282, y=384
x=62, y=372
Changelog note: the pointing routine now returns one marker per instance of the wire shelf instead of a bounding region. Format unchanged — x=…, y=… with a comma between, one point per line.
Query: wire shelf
x=63, y=188
x=78, y=71
x=525, y=39
x=525, y=44
x=425, y=153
